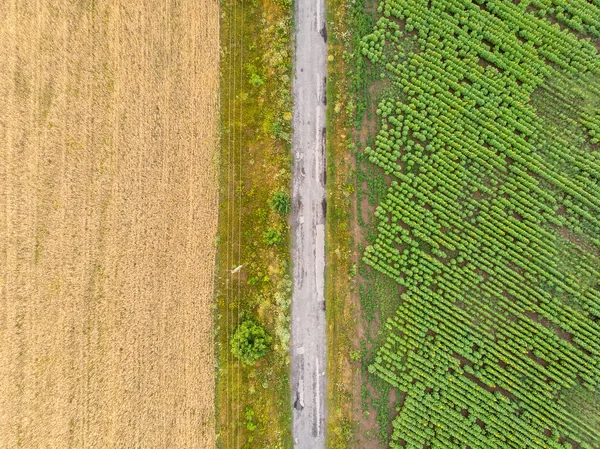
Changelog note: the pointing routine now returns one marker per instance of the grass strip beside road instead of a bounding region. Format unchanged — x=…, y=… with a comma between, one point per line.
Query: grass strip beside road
x=357, y=297
x=253, y=401
x=339, y=243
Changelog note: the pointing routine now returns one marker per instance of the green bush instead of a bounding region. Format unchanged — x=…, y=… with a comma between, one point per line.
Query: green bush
x=256, y=80
x=281, y=202
x=272, y=236
x=250, y=342
x=250, y=422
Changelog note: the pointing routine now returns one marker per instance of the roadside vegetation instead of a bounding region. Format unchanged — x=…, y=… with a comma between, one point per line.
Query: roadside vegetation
x=358, y=298
x=253, y=272
x=474, y=133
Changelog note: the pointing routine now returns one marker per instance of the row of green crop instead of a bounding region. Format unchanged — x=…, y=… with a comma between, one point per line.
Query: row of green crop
x=578, y=15
x=592, y=122
x=493, y=331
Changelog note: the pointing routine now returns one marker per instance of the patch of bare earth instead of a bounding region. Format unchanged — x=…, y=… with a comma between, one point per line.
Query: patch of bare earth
x=366, y=434
x=108, y=202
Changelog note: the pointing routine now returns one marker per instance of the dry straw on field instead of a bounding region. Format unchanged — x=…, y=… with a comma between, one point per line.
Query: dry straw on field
x=108, y=203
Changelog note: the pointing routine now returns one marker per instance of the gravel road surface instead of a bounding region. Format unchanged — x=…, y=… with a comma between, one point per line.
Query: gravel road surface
x=308, y=226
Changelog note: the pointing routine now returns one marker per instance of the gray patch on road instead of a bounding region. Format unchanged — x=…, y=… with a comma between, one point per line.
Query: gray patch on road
x=323, y=33
x=299, y=402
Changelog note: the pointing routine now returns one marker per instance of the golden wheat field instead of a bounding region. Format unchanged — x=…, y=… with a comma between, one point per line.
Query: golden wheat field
x=108, y=217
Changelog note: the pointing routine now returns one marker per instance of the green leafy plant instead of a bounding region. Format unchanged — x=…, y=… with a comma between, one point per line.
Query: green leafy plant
x=281, y=202
x=250, y=342
x=272, y=236
x=250, y=422
x=256, y=80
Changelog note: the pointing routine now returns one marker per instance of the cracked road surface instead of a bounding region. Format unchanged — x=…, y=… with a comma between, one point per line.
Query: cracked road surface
x=308, y=350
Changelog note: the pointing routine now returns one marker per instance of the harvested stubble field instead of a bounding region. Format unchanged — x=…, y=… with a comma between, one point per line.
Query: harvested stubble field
x=108, y=217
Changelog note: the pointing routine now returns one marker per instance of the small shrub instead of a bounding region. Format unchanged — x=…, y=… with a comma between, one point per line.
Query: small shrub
x=250, y=422
x=256, y=80
x=281, y=202
x=250, y=342
x=272, y=236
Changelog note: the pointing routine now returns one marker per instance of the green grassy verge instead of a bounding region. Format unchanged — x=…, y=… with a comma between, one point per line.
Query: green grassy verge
x=341, y=314
x=253, y=401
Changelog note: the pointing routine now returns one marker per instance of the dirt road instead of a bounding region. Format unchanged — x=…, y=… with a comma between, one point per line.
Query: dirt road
x=108, y=206
x=308, y=224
